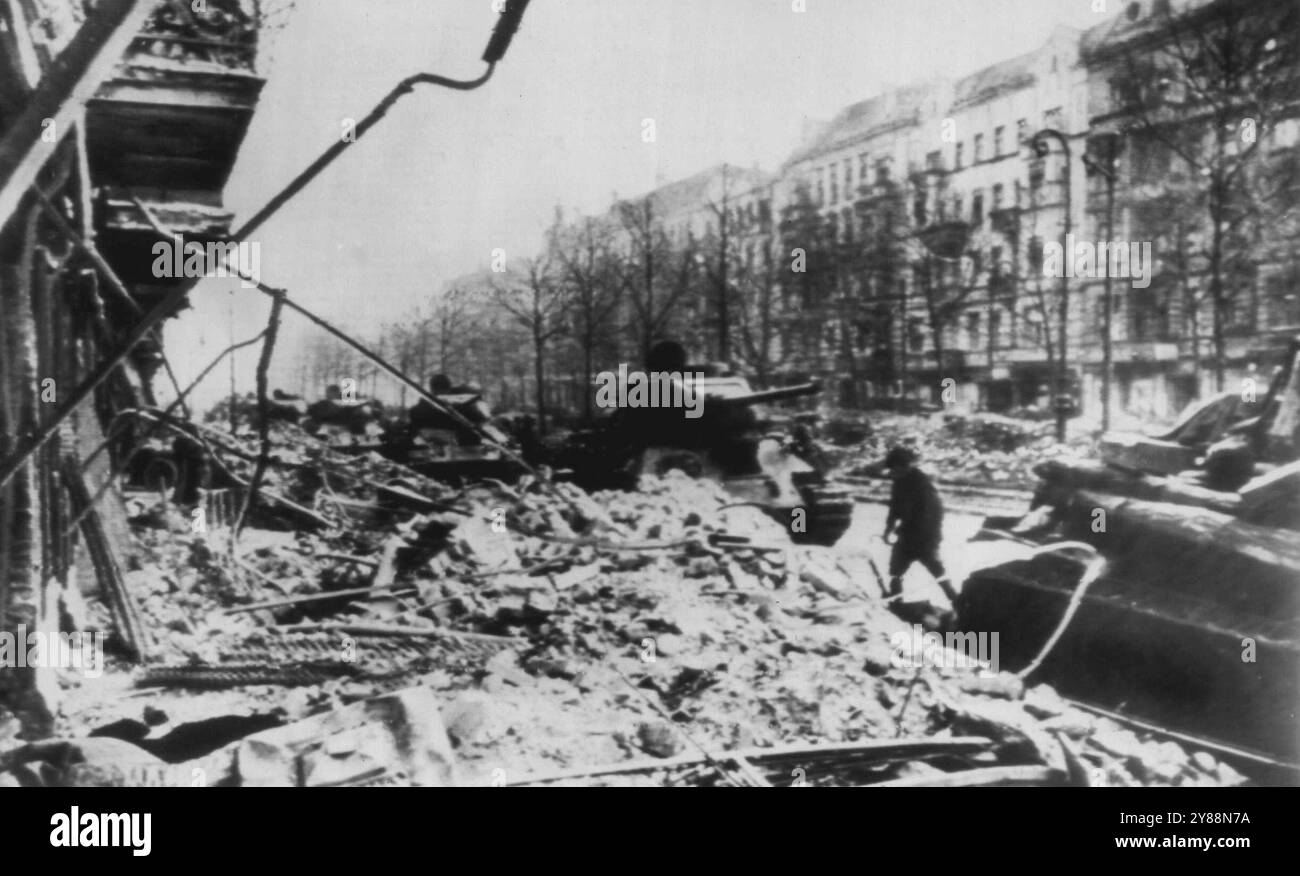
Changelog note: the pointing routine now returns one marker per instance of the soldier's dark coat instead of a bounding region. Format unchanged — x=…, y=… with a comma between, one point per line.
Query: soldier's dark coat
x=914, y=503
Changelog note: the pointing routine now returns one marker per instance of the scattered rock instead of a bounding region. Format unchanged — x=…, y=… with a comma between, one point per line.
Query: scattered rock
x=465, y=716
x=1042, y=701
x=1004, y=685
x=658, y=738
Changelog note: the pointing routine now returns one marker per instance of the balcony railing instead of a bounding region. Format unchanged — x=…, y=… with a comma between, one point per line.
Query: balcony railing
x=224, y=33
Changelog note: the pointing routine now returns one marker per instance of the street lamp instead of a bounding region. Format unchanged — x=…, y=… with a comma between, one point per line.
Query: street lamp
x=1107, y=165
x=1042, y=150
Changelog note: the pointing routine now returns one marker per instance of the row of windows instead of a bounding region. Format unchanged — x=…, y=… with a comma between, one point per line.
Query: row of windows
x=839, y=177
x=752, y=215
x=1140, y=318
x=956, y=204
x=968, y=334
x=829, y=177
x=1052, y=118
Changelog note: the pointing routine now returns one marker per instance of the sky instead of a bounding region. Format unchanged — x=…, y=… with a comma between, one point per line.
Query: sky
x=448, y=177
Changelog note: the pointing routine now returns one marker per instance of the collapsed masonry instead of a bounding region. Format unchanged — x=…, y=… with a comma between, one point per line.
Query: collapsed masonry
x=377, y=627
x=103, y=111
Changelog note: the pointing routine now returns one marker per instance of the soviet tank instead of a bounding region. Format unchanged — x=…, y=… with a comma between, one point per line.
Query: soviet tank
x=1193, y=623
x=730, y=442
x=459, y=448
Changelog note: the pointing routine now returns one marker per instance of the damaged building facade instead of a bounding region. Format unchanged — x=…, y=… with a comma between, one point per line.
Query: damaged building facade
x=116, y=115
x=928, y=219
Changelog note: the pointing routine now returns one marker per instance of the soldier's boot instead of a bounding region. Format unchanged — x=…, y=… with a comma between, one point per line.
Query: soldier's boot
x=946, y=586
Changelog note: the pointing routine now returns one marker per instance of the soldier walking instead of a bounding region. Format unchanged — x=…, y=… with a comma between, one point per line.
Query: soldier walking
x=916, y=516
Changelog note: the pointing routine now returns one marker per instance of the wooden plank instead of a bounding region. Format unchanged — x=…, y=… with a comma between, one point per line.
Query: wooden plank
x=386, y=572
x=875, y=750
x=126, y=612
x=1033, y=776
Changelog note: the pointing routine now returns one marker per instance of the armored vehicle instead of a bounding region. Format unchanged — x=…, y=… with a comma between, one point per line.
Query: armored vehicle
x=1194, y=620
x=729, y=442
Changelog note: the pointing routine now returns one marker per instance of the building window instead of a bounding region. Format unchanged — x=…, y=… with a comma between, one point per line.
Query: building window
x=918, y=206
x=882, y=171
x=1022, y=131
x=997, y=196
x=835, y=185
x=977, y=208
x=957, y=157
x=998, y=140
x=1036, y=255
x=915, y=339
x=1124, y=93
x=864, y=168
x=848, y=177
x=846, y=217
x=979, y=148
x=957, y=205
x=933, y=160
x=995, y=327
x=821, y=189
x=1036, y=174
x=972, y=331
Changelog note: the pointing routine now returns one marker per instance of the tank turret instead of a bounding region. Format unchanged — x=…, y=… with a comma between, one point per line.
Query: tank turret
x=720, y=433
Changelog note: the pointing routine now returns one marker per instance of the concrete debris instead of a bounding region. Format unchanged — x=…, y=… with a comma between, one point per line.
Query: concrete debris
x=398, y=739
x=980, y=449
x=732, y=638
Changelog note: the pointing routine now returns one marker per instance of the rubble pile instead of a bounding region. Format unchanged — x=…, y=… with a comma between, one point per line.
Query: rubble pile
x=976, y=449
x=556, y=630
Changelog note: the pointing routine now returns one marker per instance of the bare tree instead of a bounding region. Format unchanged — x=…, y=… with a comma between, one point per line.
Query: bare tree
x=451, y=324
x=1202, y=89
x=719, y=259
x=658, y=277
x=594, y=282
x=808, y=279
x=537, y=303
x=945, y=286
x=759, y=313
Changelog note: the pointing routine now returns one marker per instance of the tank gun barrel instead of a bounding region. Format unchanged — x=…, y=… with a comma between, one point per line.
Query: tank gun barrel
x=783, y=393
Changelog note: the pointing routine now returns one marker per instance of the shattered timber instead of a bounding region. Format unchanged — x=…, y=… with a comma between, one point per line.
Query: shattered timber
x=325, y=594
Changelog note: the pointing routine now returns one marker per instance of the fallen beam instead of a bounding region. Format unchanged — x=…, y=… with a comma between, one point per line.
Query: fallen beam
x=402, y=632
x=321, y=597
x=988, y=777
x=874, y=751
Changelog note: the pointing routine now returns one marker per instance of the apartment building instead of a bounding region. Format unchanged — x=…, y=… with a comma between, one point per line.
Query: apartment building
x=943, y=169
x=839, y=204
x=924, y=238
x=1144, y=68
x=973, y=210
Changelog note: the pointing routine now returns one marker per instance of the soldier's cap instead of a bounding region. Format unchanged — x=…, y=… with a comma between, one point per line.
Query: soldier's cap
x=899, y=457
